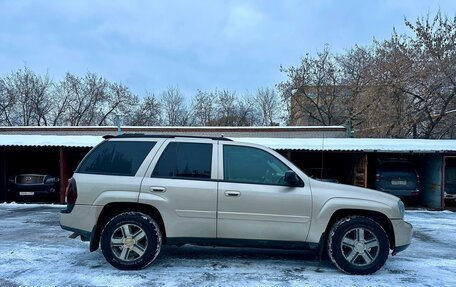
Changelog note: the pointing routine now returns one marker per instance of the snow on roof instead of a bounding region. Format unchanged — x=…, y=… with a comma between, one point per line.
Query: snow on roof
x=48, y=140
x=306, y=144
x=355, y=144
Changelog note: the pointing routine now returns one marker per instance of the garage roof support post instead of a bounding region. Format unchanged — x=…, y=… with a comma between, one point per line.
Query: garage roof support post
x=432, y=181
x=64, y=174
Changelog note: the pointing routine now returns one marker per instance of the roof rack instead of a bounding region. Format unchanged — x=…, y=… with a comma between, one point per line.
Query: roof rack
x=140, y=135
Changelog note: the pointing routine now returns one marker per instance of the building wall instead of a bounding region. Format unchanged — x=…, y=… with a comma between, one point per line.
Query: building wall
x=254, y=132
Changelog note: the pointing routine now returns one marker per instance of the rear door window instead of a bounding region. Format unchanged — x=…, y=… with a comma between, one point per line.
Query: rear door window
x=185, y=160
x=116, y=158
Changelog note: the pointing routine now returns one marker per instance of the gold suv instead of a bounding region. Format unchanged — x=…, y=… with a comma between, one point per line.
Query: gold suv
x=133, y=193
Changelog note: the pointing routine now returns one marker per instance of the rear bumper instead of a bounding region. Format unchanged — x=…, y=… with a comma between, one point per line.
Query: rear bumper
x=403, y=232
x=79, y=218
x=85, y=235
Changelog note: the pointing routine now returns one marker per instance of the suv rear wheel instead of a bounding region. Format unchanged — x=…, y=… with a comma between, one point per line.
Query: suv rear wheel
x=131, y=240
x=358, y=245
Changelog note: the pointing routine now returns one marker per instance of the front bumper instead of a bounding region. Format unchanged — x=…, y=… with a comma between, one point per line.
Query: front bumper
x=403, y=232
x=27, y=190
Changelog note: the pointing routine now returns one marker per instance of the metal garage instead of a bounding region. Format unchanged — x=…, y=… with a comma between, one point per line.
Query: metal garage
x=345, y=160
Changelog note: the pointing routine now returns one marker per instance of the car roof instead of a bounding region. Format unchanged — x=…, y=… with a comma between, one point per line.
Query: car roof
x=140, y=135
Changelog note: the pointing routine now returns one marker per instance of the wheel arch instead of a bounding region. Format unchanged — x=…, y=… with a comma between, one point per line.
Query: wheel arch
x=112, y=209
x=376, y=216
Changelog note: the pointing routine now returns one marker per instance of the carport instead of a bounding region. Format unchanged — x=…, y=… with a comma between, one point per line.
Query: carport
x=52, y=155
x=345, y=160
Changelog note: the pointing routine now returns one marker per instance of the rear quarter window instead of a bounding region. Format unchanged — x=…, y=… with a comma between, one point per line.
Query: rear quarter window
x=185, y=160
x=116, y=158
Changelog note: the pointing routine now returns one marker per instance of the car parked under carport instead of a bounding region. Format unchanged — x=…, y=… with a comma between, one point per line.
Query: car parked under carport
x=31, y=186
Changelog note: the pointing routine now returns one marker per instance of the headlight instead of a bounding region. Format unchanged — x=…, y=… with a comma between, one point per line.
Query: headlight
x=401, y=207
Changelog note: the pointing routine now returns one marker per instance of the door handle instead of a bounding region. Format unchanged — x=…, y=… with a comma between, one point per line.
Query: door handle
x=157, y=189
x=232, y=193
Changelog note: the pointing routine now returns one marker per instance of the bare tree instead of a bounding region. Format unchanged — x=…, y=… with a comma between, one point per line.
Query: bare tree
x=61, y=95
x=120, y=100
x=247, y=114
x=203, y=107
x=25, y=98
x=417, y=76
x=267, y=103
x=7, y=104
x=174, y=108
x=400, y=87
x=431, y=86
x=95, y=91
x=234, y=111
x=148, y=113
x=86, y=96
x=226, y=102
x=91, y=100
x=313, y=90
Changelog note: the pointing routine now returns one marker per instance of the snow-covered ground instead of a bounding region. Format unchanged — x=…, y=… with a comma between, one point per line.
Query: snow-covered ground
x=34, y=251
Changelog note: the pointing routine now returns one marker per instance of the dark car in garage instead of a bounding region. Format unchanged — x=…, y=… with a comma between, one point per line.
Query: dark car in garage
x=34, y=186
x=398, y=177
x=450, y=183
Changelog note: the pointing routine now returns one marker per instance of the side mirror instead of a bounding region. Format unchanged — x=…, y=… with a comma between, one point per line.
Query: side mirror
x=291, y=178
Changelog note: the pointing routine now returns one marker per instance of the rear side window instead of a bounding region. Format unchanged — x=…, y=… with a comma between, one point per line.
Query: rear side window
x=116, y=158
x=185, y=160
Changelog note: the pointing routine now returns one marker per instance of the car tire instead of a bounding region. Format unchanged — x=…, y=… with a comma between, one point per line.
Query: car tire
x=358, y=245
x=131, y=241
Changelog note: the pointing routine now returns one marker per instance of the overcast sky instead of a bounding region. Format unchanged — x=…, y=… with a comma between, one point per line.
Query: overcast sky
x=149, y=45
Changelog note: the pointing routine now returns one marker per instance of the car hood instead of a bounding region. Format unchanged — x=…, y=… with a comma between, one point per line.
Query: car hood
x=333, y=190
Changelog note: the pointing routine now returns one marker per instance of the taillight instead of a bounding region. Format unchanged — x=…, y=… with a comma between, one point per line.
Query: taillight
x=71, y=191
x=377, y=177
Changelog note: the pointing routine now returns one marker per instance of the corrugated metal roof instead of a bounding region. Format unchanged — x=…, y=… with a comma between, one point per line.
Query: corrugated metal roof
x=355, y=144
x=46, y=140
x=304, y=144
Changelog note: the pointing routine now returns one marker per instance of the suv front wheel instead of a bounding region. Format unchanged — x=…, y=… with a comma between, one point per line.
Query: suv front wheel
x=358, y=245
x=131, y=240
